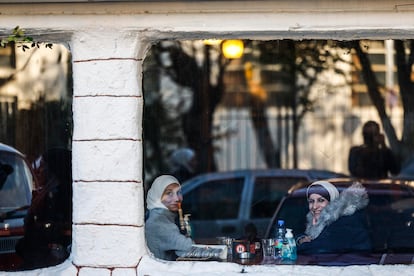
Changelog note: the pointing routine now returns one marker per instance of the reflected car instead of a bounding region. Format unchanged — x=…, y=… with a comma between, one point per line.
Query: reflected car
x=223, y=203
x=16, y=185
x=407, y=170
x=390, y=222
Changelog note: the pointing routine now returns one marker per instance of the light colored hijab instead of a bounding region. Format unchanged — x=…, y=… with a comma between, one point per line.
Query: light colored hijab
x=157, y=189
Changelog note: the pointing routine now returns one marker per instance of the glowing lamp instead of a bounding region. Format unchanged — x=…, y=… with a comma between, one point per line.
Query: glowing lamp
x=232, y=48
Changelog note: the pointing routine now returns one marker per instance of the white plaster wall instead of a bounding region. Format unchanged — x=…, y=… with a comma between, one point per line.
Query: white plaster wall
x=108, y=42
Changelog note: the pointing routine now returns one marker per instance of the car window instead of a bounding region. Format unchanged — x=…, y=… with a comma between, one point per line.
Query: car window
x=213, y=200
x=15, y=182
x=293, y=211
x=268, y=191
x=391, y=222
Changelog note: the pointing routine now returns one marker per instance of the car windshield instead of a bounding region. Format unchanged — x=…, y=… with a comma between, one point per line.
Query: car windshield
x=16, y=182
x=390, y=217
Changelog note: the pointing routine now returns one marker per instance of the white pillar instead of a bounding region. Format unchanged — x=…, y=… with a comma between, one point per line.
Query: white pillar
x=108, y=214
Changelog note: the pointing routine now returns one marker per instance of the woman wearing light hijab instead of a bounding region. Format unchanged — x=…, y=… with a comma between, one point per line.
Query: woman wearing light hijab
x=335, y=222
x=163, y=236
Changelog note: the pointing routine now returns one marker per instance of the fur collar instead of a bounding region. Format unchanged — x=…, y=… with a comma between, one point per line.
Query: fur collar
x=349, y=201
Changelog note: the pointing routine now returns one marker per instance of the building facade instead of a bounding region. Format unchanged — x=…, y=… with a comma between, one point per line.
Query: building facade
x=109, y=41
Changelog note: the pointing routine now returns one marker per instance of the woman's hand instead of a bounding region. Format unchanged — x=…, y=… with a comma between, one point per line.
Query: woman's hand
x=303, y=239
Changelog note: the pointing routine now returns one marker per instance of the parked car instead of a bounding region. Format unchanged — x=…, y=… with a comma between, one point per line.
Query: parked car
x=223, y=203
x=390, y=220
x=407, y=170
x=16, y=185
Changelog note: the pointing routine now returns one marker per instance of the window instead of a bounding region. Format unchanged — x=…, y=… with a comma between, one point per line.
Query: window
x=16, y=182
x=215, y=200
x=388, y=217
x=283, y=105
x=35, y=156
x=267, y=194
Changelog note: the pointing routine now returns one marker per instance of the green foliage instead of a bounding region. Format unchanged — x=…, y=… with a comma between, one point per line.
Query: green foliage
x=19, y=38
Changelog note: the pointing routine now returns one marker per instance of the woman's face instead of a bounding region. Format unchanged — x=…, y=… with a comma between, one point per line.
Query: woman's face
x=172, y=196
x=316, y=204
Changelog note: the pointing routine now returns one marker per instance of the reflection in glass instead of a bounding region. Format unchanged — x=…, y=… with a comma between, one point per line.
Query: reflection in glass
x=283, y=104
x=35, y=119
x=268, y=107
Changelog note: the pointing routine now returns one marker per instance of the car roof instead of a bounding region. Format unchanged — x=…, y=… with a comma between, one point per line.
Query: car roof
x=383, y=186
x=7, y=148
x=310, y=174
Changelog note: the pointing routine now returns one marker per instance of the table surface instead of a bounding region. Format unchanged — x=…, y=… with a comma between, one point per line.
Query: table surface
x=340, y=259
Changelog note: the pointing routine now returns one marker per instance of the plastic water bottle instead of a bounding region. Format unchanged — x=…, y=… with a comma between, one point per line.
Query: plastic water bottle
x=279, y=238
x=289, y=247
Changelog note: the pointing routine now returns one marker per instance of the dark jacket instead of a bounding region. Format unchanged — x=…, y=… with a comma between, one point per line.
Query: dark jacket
x=372, y=162
x=341, y=226
x=48, y=223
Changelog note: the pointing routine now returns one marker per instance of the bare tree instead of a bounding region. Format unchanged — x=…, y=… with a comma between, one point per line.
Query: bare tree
x=404, y=147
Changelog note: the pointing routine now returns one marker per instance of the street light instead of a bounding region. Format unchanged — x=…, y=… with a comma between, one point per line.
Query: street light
x=232, y=48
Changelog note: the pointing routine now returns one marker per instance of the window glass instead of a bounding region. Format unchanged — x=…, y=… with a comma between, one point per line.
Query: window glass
x=35, y=156
x=293, y=211
x=268, y=191
x=391, y=218
x=215, y=200
x=388, y=214
x=16, y=182
x=293, y=106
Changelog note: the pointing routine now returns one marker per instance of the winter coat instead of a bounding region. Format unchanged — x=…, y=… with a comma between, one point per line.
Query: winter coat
x=163, y=236
x=372, y=162
x=341, y=226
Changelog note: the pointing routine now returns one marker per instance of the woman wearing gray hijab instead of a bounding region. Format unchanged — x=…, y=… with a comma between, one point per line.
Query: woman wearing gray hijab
x=335, y=222
x=163, y=236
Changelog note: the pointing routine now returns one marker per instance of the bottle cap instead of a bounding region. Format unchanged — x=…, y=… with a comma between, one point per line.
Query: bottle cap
x=289, y=233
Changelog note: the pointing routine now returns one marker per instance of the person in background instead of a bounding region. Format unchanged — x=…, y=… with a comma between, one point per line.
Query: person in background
x=48, y=223
x=163, y=236
x=335, y=222
x=183, y=163
x=372, y=159
x=250, y=233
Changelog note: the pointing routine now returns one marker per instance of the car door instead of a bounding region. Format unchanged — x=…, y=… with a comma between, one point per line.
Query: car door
x=214, y=205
